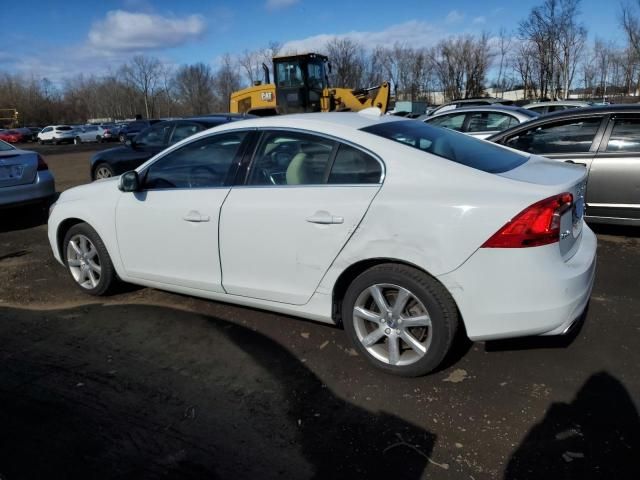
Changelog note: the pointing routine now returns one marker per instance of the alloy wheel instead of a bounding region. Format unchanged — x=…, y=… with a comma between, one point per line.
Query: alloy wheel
x=83, y=261
x=392, y=324
x=103, y=172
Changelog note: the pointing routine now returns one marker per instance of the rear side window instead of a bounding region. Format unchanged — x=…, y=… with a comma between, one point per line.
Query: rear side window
x=184, y=130
x=63, y=129
x=490, y=122
x=354, y=166
x=453, y=121
x=568, y=136
x=457, y=147
x=625, y=136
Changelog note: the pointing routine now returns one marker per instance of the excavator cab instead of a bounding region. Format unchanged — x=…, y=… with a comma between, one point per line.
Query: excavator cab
x=300, y=82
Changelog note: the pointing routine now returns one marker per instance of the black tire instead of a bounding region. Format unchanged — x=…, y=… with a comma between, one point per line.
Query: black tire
x=40, y=142
x=440, y=308
x=77, y=141
x=108, y=278
x=104, y=166
x=55, y=142
x=122, y=138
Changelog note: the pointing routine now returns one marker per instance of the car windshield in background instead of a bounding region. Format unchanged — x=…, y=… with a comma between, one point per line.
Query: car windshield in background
x=451, y=145
x=4, y=146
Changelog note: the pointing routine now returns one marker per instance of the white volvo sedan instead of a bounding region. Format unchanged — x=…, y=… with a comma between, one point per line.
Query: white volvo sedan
x=399, y=231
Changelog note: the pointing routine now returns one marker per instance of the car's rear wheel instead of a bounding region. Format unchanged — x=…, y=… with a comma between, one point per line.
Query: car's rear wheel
x=40, y=142
x=401, y=319
x=122, y=138
x=102, y=170
x=88, y=261
x=77, y=141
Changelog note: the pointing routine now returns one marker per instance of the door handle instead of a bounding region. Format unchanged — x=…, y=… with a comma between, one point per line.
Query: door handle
x=324, y=218
x=575, y=163
x=195, y=216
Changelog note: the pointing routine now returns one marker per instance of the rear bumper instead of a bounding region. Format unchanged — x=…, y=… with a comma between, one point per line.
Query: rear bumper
x=43, y=187
x=504, y=293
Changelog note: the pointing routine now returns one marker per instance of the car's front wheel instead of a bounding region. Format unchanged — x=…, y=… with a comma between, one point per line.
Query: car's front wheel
x=103, y=170
x=77, y=141
x=401, y=319
x=88, y=261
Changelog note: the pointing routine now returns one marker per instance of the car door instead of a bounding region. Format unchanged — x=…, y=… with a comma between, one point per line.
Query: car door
x=168, y=231
x=302, y=199
x=46, y=134
x=614, y=178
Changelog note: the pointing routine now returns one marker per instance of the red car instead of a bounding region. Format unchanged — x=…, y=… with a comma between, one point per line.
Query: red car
x=13, y=136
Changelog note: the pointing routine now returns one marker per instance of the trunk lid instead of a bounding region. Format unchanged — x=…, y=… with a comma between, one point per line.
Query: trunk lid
x=17, y=167
x=555, y=178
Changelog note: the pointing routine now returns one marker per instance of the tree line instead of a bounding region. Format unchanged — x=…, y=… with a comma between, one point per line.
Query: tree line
x=547, y=55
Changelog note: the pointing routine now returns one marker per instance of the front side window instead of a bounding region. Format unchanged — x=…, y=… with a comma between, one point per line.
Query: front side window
x=538, y=109
x=568, y=136
x=316, y=75
x=625, y=136
x=289, y=158
x=453, y=121
x=155, y=136
x=204, y=163
x=353, y=166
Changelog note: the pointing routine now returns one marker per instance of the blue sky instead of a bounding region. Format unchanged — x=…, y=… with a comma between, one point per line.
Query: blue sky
x=61, y=39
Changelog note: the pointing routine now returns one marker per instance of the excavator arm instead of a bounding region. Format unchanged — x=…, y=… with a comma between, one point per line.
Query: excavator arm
x=347, y=99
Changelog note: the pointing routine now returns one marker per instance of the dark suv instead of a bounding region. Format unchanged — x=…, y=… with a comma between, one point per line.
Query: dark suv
x=151, y=141
x=605, y=140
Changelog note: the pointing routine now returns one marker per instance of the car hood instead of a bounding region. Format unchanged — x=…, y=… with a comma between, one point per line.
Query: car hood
x=89, y=190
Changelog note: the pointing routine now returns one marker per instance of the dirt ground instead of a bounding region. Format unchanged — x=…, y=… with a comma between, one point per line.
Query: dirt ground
x=148, y=384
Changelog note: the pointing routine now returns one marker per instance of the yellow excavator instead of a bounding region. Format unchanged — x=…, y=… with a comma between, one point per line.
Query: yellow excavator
x=301, y=85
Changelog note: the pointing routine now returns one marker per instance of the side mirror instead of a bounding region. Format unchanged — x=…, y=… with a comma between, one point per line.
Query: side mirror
x=129, y=182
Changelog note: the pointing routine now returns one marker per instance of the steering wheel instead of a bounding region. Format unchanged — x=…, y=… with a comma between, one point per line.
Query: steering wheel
x=207, y=177
x=267, y=177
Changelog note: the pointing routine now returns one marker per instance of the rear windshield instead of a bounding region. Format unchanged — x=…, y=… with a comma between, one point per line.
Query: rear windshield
x=451, y=145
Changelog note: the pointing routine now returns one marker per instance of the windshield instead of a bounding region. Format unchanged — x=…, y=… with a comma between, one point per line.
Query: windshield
x=289, y=74
x=454, y=146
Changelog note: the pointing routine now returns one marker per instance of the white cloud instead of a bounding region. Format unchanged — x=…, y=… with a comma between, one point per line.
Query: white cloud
x=479, y=20
x=278, y=4
x=454, y=16
x=413, y=33
x=122, y=30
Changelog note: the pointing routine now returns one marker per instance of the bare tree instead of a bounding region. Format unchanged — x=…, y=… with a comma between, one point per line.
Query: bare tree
x=504, y=48
x=226, y=81
x=347, y=61
x=144, y=73
x=194, y=86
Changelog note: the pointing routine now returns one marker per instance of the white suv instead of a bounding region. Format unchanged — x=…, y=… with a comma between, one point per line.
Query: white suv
x=56, y=134
x=87, y=133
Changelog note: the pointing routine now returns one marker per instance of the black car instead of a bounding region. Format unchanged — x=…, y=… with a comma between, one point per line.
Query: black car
x=130, y=130
x=605, y=140
x=151, y=141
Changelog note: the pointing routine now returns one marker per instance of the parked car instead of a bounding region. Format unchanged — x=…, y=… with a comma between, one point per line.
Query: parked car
x=13, y=136
x=469, y=102
x=556, y=106
x=482, y=121
x=605, y=140
x=24, y=177
x=399, y=231
x=87, y=133
x=148, y=143
x=129, y=130
x=110, y=133
x=56, y=134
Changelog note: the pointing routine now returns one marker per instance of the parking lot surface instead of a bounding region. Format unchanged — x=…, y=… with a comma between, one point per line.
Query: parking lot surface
x=148, y=384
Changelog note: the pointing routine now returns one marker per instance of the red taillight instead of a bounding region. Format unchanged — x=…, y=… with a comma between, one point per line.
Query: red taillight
x=42, y=165
x=536, y=225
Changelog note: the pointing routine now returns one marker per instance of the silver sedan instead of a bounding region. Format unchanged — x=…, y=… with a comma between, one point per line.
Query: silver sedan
x=481, y=121
x=24, y=177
